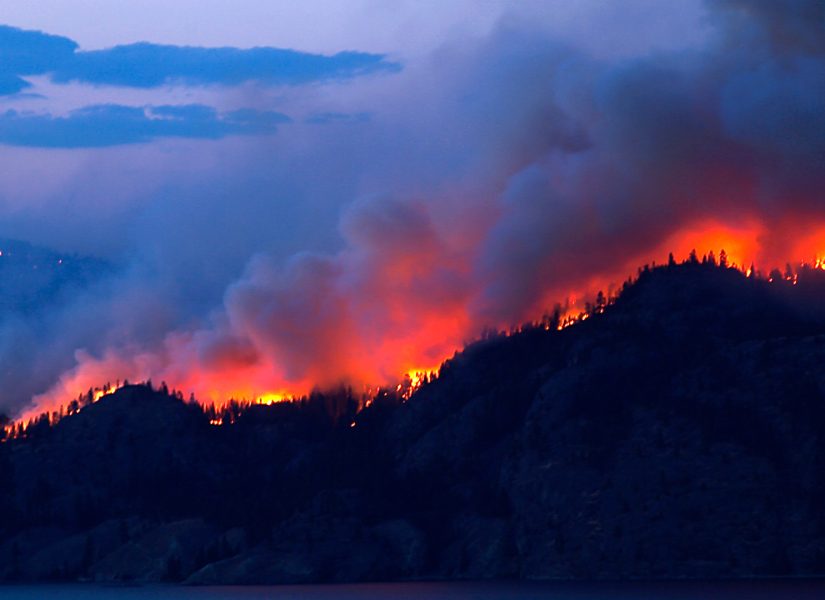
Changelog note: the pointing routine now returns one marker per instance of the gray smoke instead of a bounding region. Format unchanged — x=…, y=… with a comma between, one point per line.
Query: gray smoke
x=496, y=176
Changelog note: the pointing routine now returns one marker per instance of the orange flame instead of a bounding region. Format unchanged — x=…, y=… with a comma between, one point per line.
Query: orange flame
x=420, y=337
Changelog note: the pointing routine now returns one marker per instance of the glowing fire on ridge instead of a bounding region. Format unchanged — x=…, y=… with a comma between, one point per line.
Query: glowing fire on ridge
x=418, y=351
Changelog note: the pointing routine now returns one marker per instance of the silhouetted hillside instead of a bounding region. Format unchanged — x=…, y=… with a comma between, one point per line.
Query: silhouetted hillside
x=677, y=432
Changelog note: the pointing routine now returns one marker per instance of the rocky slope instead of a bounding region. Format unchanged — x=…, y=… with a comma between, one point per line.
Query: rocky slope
x=677, y=434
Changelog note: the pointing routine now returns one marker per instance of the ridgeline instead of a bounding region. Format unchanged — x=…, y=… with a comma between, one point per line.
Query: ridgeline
x=677, y=432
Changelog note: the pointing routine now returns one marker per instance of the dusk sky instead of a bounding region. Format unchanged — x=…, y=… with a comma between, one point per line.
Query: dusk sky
x=404, y=28
x=294, y=194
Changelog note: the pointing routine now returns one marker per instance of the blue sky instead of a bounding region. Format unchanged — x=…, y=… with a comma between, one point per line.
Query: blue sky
x=409, y=28
x=94, y=45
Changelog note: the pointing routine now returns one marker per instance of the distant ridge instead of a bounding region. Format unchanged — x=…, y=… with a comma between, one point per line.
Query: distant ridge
x=33, y=278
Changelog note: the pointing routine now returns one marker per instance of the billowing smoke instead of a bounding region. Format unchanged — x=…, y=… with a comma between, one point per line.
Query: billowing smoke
x=497, y=177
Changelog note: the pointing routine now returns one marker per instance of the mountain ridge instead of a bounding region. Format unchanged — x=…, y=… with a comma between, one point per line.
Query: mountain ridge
x=677, y=432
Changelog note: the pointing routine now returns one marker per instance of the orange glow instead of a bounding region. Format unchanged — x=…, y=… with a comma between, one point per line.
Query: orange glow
x=741, y=244
x=100, y=393
x=403, y=347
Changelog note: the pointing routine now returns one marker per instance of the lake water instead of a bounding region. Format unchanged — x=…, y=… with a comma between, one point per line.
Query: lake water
x=773, y=589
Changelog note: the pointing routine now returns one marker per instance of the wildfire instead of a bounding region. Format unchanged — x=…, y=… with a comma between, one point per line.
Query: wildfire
x=402, y=350
x=51, y=418
x=413, y=380
x=100, y=393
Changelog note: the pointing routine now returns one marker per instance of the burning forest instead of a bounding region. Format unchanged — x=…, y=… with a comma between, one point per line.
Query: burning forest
x=391, y=284
x=226, y=409
x=359, y=232
x=693, y=392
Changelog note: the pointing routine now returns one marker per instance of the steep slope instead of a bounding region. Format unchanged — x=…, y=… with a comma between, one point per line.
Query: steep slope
x=676, y=433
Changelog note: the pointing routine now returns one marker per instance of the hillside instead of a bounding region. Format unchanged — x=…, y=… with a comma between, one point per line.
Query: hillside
x=678, y=433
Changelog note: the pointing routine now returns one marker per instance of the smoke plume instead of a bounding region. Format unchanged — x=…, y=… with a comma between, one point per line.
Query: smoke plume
x=489, y=181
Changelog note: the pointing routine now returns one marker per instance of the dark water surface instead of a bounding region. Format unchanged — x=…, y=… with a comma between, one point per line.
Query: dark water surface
x=786, y=589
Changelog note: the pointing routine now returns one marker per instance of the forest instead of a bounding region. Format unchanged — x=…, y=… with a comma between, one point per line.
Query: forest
x=673, y=430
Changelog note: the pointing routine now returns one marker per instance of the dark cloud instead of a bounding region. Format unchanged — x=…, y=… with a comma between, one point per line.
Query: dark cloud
x=791, y=25
x=29, y=53
x=11, y=84
x=33, y=52
x=148, y=65
x=112, y=124
x=145, y=65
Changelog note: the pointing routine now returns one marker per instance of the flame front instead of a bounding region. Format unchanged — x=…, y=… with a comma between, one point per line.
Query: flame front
x=501, y=176
x=397, y=343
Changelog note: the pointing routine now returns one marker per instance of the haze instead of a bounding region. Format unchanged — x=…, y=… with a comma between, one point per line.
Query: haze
x=343, y=192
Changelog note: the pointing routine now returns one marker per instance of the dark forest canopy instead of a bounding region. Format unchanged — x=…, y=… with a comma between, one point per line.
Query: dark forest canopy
x=674, y=432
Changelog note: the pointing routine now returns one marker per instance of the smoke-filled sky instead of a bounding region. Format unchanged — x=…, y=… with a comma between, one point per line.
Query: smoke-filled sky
x=293, y=194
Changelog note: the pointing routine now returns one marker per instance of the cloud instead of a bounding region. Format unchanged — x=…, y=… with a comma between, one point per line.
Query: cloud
x=11, y=84
x=29, y=53
x=145, y=65
x=331, y=117
x=111, y=125
x=33, y=52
